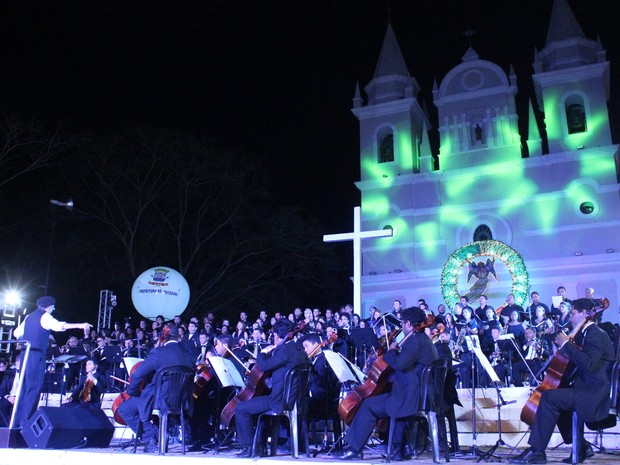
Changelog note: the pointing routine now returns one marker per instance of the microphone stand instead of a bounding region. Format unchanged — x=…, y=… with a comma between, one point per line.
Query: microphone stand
x=500, y=442
x=474, y=452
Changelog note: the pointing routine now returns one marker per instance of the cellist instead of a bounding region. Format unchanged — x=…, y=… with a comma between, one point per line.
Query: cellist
x=591, y=354
x=278, y=359
x=142, y=387
x=408, y=360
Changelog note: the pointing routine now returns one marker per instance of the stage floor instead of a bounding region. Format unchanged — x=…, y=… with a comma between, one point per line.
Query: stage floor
x=113, y=453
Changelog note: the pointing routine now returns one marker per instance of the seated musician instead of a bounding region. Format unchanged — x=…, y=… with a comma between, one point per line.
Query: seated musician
x=535, y=351
x=140, y=405
x=588, y=394
x=408, y=360
x=324, y=385
x=8, y=391
x=277, y=359
x=208, y=394
x=88, y=393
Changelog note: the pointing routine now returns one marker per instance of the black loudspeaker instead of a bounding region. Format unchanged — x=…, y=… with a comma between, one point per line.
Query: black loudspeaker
x=67, y=428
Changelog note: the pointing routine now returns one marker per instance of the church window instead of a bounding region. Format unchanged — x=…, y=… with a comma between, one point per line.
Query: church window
x=483, y=233
x=575, y=115
x=386, y=149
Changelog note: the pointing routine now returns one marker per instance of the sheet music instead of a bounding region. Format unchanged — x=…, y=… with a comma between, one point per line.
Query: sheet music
x=556, y=300
x=226, y=372
x=130, y=362
x=342, y=368
x=473, y=344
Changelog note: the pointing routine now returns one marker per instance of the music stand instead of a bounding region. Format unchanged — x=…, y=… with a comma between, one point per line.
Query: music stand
x=363, y=339
x=486, y=365
x=227, y=375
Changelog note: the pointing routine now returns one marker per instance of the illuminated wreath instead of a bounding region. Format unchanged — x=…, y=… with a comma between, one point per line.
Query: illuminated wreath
x=496, y=249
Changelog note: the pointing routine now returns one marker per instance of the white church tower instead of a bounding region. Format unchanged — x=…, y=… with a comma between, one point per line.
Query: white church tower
x=543, y=206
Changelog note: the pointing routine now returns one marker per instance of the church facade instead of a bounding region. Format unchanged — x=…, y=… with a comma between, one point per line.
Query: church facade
x=544, y=206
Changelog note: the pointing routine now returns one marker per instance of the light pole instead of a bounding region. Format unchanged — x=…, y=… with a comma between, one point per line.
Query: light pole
x=55, y=203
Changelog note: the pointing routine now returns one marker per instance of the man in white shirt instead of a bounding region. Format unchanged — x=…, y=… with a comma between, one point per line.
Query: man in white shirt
x=36, y=328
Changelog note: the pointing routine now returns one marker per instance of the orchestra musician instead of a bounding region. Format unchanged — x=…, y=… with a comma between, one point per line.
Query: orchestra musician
x=88, y=393
x=591, y=353
x=277, y=359
x=408, y=361
x=535, y=351
x=142, y=387
x=324, y=385
x=207, y=404
x=471, y=327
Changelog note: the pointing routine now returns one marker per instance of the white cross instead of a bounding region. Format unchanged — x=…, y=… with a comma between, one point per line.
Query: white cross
x=356, y=236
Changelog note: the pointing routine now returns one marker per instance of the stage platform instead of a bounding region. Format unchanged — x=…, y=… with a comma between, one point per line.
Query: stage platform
x=514, y=434
x=174, y=457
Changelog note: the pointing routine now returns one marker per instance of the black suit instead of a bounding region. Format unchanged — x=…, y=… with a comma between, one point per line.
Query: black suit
x=404, y=398
x=96, y=392
x=324, y=388
x=278, y=362
x=6, y=407
x=140, y=405
x=589, y=394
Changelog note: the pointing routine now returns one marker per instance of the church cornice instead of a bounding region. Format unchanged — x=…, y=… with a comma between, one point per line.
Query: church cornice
x=509, y=91
x=574, y=156
x=388, y=108
x=570, y=75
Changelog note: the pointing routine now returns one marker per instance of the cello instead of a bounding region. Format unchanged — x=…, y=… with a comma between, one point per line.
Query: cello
x=377, y=381
x=255, y=384
x=559, y=368
x=123, y=396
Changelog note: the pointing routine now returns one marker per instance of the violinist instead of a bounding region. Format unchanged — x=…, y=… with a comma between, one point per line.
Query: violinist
x=340, y=345
x=277, y=359
x=408, y=361
x=142, y=387
x=588, y=394
x=324, y=385
x=88, y=393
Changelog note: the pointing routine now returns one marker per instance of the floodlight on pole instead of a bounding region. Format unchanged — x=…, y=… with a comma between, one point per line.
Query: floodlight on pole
x=68, y=204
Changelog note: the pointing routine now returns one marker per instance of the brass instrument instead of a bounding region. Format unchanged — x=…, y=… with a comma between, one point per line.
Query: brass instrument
x=458, y=348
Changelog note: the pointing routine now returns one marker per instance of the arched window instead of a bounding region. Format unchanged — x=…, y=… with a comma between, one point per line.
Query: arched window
x=386, y=149
x=483, y=233
x=575, y=115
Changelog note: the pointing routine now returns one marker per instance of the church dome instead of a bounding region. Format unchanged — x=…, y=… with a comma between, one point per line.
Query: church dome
x=472, y=75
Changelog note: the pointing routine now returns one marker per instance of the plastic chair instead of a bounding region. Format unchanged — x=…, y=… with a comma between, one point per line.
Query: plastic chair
x=294, y=409
x=173, y=392
x=432, y=408
x=600, y=426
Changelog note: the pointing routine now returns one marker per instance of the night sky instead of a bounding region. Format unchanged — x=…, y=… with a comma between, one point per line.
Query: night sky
x=275, y=78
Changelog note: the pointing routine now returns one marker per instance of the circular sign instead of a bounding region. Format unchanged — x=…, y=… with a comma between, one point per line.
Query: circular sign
x=160, y=291
x=495, y=249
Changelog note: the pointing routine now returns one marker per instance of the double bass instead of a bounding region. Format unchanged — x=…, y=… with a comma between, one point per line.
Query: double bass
x=377, y=381
x=559, y=368
x=255, y=384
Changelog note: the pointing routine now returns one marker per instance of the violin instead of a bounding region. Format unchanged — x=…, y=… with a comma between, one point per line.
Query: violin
x=85, y=392
x=559, y=368
x=255, y=384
